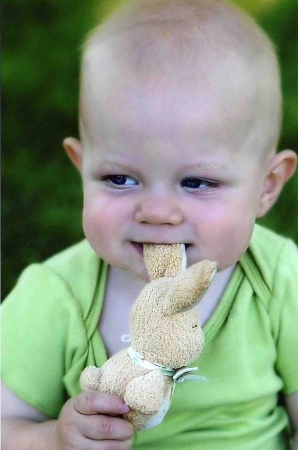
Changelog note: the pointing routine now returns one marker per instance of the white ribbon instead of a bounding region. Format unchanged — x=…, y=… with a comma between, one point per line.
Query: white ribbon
x=178, y=375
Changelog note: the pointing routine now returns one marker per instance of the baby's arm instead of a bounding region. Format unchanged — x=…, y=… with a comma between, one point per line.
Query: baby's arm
x=87, y=421
x=292, y=407
x=23, y=426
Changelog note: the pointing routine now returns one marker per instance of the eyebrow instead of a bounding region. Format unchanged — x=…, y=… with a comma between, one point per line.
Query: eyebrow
x=116, y=166
x=203, y=166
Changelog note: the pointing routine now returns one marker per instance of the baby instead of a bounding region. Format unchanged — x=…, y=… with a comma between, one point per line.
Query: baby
x=180, y=115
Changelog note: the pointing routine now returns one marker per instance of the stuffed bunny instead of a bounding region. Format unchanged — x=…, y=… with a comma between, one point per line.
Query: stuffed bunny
x=165, y=333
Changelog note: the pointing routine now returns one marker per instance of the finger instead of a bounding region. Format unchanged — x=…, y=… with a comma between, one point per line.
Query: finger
x=103, y=445
x=94, y=402
x=102, y=427
x=116, y=445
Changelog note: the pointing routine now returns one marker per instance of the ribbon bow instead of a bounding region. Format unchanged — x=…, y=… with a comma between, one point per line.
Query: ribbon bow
x=185, y=374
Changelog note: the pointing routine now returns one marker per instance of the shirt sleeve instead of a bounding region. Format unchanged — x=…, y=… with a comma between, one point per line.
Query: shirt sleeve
x=42, y=331
x=284, y=316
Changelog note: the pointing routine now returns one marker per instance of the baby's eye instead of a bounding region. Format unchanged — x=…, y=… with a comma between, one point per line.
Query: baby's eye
x=197, y=184
x=120, y=180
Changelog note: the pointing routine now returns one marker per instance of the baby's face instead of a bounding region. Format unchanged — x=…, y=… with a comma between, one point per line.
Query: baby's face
x=166, y=164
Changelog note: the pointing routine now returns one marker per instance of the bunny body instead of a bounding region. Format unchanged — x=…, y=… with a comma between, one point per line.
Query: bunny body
x=165, y=331
x=122, y=377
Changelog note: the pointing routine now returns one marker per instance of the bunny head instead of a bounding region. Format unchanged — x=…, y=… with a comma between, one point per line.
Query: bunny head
x=165, y=325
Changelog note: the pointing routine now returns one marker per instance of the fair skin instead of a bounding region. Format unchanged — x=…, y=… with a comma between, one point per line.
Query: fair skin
x=161, y=174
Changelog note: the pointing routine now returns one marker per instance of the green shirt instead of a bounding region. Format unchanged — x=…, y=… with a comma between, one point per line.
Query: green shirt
x=50, y=335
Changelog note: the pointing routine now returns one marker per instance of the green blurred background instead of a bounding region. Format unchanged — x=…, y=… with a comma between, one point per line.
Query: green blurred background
x=42, y=199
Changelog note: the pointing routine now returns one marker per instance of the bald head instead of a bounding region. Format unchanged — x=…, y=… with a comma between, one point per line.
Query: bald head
x=191, y=52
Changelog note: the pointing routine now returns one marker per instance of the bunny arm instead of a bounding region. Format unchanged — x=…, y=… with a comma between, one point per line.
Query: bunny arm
x=90, y=378
x=146, y=393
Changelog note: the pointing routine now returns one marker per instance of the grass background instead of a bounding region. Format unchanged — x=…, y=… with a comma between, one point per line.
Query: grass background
x=42, y=198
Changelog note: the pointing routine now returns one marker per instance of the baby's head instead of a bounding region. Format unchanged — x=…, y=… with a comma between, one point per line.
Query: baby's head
x=193, y=58
x=180, y=116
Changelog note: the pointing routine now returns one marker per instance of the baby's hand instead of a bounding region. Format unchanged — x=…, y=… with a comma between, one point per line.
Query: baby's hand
x=92, y=420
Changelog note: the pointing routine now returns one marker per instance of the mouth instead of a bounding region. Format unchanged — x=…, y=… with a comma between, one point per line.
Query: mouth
x=138, y=246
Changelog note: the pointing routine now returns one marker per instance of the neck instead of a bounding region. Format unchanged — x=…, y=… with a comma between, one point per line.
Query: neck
x=214, y=293
x=126, y=281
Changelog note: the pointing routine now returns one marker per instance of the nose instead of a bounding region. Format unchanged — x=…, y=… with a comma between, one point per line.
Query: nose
x=158, y=209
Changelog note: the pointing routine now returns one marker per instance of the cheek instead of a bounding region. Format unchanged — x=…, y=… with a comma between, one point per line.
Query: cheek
x=106, y=215
x=223, y=215
x=224, y=230
x=101, y=216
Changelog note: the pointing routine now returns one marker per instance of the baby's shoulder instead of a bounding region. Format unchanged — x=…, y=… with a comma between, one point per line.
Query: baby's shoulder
x=79, y=268
x=77, y=255
x=271, y=249
x=270, y=261
x=72, y=275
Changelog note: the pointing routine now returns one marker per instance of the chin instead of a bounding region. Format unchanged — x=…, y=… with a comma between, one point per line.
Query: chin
x=136, y=269
x=145, y=277
x=139, y=273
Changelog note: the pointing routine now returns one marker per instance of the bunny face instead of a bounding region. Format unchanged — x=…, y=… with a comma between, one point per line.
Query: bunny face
x=165, y=326
x=172, y=340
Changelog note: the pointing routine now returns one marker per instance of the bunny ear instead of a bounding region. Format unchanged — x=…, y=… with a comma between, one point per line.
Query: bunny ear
x=188, y=288
x=164, y=260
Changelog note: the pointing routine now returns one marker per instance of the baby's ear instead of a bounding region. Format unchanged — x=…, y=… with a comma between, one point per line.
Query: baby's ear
x=73, y=148
x=281, y=168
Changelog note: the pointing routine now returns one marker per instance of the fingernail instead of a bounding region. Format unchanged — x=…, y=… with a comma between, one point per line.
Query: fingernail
x=125, y=408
